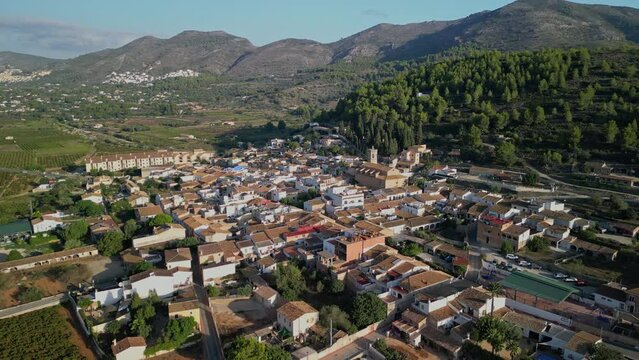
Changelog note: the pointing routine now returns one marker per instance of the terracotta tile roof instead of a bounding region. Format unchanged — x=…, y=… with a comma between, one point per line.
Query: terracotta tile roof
x=148, y=210
x=473, y=298
x=266, y=261
x=423, y=279
x=581, y=342
x=295, y=309
x=209, y=249
x=127, y=343
x=265, y=292
x=525, y=321
x=179, y=254
x=442, y=314
x=149, y=273
x=183, y=306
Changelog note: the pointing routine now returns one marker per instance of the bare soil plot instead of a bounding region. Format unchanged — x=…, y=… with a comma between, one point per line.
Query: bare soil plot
x=236, y=316
x=410, y=352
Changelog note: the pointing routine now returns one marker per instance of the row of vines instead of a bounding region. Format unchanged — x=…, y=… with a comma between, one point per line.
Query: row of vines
x=29, y=159
x=41, y=334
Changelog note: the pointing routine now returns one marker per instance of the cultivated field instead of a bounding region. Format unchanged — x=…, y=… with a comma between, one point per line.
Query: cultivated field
x=41, y=334
x=15, y=184
x=213, y=129
x=39, y=144
x=48, y=144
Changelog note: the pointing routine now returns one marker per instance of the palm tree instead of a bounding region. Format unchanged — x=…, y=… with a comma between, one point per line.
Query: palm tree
x=495, y=289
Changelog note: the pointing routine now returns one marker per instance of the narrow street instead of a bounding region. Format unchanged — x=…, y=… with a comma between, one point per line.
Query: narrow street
x=212, y=345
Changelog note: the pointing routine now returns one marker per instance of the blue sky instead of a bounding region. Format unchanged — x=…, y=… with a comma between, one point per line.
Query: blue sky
x=67, y=28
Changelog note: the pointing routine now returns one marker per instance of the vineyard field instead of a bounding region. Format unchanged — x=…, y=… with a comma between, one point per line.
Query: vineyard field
x=39, y=145
x=41, y=334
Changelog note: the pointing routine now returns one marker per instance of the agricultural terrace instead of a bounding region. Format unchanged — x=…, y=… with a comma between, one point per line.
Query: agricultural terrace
x=41, y=334
x=39, y=144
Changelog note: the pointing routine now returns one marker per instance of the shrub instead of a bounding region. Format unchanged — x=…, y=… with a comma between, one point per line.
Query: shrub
x=538, y=243
x=14, y=255
x=213, y=291
x=29, y=294
x=245, y=290
x=389, y=353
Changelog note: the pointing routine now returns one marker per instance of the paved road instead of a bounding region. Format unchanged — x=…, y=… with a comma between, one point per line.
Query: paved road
x=32, y=306
x=211, y=338
x=589, y=190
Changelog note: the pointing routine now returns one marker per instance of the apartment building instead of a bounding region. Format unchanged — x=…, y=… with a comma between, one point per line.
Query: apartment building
x=141, y=160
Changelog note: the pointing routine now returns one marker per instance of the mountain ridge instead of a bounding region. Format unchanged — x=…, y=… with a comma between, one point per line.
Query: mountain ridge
x=521, y=25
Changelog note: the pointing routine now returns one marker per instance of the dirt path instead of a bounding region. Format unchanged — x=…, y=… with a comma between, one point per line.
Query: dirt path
x=77, y=338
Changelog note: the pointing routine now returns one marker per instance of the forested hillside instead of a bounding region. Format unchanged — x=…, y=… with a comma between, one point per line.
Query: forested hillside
x=552, y=105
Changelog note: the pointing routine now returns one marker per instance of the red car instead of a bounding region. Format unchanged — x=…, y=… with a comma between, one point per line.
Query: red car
x=581, y=283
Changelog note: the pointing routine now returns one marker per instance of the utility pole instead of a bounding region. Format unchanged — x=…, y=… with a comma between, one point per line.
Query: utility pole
x=331, y=331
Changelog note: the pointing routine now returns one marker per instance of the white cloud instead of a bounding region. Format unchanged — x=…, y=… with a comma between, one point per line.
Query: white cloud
x=375, y=13
x=56, y=39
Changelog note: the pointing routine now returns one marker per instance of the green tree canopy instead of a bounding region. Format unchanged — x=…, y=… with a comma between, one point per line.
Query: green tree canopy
x=612, y=130
x=336, y=286
x=243, y=348
x=74, y=233
x=87, y=208
x=160, y=219
x=130, y=228
x=367, y=309
x=289, y=281
x=506, y=153
x=339, y=318
x=111, y=243
x=141, y=266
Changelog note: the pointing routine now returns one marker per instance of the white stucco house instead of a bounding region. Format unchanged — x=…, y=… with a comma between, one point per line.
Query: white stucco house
x=129, y=348
x=297, y=317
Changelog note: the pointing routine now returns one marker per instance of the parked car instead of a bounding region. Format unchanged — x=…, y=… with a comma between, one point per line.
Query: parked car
x=581, y=283
x=536, y=267
x=571, y=279
x=560, y=276
x=512, y=257
x=524, y=263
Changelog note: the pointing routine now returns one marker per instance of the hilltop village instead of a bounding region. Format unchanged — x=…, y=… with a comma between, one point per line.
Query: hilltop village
x=283, y=249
